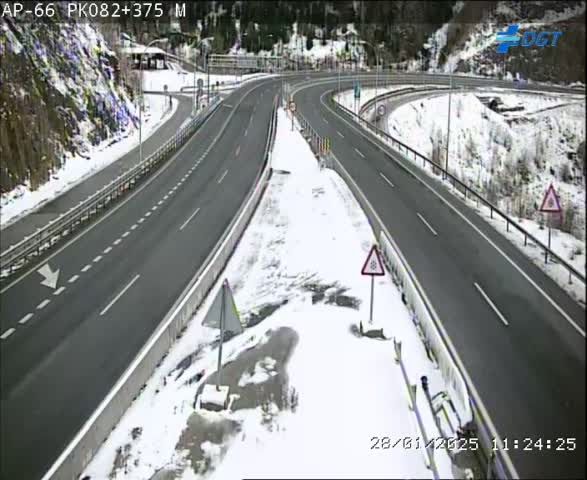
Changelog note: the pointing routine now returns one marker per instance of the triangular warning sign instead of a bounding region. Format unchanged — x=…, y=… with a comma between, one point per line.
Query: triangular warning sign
x=550, y=204
x=373, y=265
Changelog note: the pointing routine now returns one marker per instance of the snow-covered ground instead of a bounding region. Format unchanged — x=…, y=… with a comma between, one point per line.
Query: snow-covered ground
x=76, y=168
x=511, y=156
x=308, y=394
x=347, y=97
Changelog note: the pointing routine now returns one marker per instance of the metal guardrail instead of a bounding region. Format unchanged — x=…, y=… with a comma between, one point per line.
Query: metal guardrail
x=88, y=440
x=469, y=193
x=20, y=254
x=432, y=334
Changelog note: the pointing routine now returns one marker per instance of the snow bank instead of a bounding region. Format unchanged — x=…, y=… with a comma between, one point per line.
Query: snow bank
x=295, y=270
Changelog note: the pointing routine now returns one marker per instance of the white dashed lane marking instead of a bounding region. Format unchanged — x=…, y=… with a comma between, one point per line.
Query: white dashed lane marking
x=340, y=134
x=356, y=150
x=115, y=299
x=387, y=180
x=86, y=268
x=7, y=333
x=188, y=220
x=98, y=258
x=107, y=250
x=427, y=224
x=491, y=304
x=117, y=241
x=26, y=318
x=134, y=227
x=59, y=291
x=125, y=234
x=141, y=220
x=73, y=279
x=43, y=304
x=222, y=177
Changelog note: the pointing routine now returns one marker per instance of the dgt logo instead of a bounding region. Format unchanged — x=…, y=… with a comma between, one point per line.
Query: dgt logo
x=511, y=38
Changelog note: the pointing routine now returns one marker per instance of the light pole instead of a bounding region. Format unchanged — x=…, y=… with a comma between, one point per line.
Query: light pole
x=364, y=42
x=152, y=42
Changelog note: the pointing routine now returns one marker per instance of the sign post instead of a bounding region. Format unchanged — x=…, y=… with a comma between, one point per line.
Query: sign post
x=550, y=204
x=357, y=95
x=292, y=109
x=373, y=267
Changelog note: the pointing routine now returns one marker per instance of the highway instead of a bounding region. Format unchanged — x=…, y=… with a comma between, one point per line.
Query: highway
x=530, y=372
x=119, y=277
x=117, y=281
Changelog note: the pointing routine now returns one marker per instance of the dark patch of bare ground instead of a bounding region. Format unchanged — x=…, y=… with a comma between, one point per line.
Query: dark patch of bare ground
x=219, y=429
x=336, y=296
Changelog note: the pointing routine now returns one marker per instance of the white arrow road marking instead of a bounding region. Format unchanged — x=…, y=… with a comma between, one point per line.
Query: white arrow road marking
x=427, y=224
x=386, y=179
x=51, y=277
x=115, y=299
x=491, y=304
x=188, y=220
x=7, y=333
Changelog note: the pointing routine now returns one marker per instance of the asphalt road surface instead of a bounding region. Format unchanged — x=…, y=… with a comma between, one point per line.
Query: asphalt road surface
x=117, y=281
x=530, y=372
x=119, y=277
x=26, y=225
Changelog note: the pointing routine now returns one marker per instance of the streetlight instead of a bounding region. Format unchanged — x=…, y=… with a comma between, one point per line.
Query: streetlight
x=365, y=42
x=152, y=42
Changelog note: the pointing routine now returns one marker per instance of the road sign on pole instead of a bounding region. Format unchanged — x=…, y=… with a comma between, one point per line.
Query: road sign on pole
x=550, y=204
x=374, y=268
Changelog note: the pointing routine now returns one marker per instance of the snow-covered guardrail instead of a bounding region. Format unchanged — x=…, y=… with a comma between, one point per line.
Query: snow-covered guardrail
x=20, y=254
x=88, y=440
x=459, y=186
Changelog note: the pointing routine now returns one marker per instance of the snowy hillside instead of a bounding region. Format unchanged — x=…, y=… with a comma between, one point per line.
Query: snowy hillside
x=510, y=152
x=467, y=42
x=61, y=94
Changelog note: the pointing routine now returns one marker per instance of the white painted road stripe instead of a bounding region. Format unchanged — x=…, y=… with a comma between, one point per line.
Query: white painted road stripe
x=86, y=268
x=326, y=121
x=340, y=134
x=386, y=179
x=26, y=318
x=115, y=299
x=117, y=241
x=134, y=227
x=98, y=258
x=222, y=177
x=107, y=250
x=141, y=220
x=43, y=304
x=7, y=333
x=188, y=220
x=427, y=224
x=238, y=150
x=154, y=207
x=160, y=202
x=148, y=214
x=73, y=279
x=246, y=132
x=359, y=153
x=125, y=234
x=58, y=291
x=491, y=304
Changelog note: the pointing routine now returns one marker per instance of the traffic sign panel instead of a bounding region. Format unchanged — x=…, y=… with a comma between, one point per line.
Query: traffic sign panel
x=381, y=110
x=550, y=203
x=373, y=265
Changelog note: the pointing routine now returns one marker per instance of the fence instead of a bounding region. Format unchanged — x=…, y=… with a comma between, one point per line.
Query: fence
x=86, y=443
x=464, y=190
x=20, y=254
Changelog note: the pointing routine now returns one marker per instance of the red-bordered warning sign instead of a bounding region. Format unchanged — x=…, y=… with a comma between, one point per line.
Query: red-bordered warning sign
x=550, y=203
x=373, y=265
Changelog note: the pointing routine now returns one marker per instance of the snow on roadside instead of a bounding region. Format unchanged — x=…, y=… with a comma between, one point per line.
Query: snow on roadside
x=22, y=200
x=531, y=137
x=295, y=272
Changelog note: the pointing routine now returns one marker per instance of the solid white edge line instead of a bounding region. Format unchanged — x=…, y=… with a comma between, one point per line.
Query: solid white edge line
x=427, y=224
x=190, y=217
x=438, y=323
x=122, y=292
x=386, y=179
x=357, y=150
x=7, y=333
x=26, y=318
x=491, y=304
x=519, y=269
